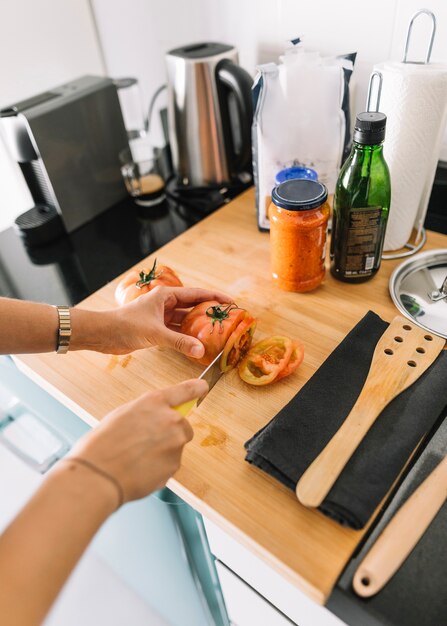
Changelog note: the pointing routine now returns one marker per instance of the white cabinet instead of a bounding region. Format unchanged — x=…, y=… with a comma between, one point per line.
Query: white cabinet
x=245, y=607
x=273, y=589
x=138, y=556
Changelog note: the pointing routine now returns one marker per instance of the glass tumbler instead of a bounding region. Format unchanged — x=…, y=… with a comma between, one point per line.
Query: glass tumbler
x=142, y=174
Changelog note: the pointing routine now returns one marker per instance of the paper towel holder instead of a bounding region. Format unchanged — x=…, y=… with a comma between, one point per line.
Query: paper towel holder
x=412, y=248
x=379, y=77
x=430, y=43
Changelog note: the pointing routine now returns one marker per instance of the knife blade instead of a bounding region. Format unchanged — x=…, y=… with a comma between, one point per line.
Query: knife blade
x=211, y=374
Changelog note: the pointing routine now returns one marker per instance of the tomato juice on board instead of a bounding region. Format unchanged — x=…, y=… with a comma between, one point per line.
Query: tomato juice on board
x=299, y=215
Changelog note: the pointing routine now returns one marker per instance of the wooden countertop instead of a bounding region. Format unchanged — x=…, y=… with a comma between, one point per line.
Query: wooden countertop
x=227, y=252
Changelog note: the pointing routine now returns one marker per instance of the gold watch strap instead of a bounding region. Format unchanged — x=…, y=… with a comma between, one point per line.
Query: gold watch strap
x=64, y=334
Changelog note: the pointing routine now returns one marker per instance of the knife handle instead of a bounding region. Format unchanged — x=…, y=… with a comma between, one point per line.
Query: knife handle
x=186, y=408
x=402, y=533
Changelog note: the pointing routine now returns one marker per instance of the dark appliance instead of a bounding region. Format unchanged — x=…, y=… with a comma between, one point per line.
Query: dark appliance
x=67, y=141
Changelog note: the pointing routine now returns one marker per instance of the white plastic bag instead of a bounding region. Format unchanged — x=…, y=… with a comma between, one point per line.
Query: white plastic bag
x=299, y=119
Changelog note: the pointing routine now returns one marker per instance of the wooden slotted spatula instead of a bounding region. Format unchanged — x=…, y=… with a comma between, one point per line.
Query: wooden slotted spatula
x=402, y=533
x=402, y=354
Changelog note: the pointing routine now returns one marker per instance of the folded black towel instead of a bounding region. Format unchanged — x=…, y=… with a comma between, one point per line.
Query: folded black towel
x=288, y=444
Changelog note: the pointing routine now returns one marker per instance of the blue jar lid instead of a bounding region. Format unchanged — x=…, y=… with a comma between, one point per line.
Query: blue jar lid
x=295, y=172
x=299, y=194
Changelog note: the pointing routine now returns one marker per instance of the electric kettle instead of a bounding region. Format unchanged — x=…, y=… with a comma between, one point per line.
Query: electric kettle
x=209, y=115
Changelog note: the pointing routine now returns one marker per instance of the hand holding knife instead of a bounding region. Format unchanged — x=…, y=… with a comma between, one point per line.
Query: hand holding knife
x=211, y=374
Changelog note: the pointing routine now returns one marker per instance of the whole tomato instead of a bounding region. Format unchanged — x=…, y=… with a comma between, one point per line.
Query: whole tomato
x=135, y=283
x=220, y=327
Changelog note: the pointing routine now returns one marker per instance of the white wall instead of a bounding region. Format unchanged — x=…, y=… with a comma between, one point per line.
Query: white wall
x=43, y=43
x=48, y=42
x=136, y=34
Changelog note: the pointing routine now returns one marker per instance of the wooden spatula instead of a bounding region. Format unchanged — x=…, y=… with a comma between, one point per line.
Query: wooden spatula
x=402, y=354
x=402, y=533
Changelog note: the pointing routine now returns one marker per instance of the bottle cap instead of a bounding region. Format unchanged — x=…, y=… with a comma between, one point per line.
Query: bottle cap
x=299, y=194
x=369, y=128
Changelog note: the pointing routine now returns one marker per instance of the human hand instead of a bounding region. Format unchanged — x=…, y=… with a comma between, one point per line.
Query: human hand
x=140, y=443
x=154, y=319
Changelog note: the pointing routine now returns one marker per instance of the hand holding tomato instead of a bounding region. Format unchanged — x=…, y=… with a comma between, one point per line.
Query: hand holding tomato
x=155, y=319
x=163, y=316
x=135, y=283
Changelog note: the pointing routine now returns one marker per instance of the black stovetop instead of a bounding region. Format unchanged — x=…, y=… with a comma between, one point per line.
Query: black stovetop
x=76, y=265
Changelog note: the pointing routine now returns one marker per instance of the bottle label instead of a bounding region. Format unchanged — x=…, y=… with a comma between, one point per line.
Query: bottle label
x=364, y=233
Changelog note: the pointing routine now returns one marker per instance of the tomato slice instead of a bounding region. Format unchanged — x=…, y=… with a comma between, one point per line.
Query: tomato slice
x=238, y=344
x=296, y=358
x=266, y=359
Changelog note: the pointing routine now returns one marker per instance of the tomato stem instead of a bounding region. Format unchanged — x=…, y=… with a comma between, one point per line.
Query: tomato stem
x=219, y=313
x=146, y=279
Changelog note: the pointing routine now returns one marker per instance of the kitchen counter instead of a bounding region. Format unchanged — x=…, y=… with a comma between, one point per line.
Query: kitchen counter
x=76, y=265
x=227, y=252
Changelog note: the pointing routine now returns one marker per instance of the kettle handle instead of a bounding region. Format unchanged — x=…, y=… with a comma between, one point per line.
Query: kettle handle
x=232, y=78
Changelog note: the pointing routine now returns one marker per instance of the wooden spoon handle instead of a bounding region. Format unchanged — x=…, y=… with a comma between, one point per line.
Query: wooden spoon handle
x=401, y=535
x=320, y=476
x=400, y=357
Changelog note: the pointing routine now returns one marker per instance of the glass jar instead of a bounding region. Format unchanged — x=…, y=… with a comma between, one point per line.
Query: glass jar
x=299, y=215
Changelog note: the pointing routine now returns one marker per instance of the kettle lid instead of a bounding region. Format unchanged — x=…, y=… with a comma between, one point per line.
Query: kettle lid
x=201, y=50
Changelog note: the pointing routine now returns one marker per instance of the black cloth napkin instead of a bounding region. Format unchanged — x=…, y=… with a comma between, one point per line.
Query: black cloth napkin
x=288, y=444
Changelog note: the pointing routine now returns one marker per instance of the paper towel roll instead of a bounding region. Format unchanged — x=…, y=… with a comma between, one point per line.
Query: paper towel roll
x=414, y=99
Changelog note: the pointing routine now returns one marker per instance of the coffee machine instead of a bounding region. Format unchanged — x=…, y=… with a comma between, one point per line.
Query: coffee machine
x=210, y=114
x=67, y=143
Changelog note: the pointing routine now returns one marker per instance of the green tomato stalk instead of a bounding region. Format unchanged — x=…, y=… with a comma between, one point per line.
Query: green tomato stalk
x=219, y=313
x=146, y=279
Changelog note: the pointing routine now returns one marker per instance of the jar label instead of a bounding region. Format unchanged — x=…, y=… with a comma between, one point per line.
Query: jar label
x=363, y=241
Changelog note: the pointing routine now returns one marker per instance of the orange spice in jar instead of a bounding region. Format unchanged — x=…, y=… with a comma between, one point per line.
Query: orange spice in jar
x=299, y=215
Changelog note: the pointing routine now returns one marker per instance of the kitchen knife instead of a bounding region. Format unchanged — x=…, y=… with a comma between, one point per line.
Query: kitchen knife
x=211, y=374
x=402, y=533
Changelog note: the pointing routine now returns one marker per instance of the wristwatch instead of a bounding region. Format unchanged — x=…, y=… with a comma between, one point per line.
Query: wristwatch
x=64, y=333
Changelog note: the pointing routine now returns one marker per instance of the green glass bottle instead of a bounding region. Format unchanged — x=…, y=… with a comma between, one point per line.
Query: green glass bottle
x=361, y=203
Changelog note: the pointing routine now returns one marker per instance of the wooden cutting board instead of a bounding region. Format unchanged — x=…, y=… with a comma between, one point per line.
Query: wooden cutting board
x=226, y=251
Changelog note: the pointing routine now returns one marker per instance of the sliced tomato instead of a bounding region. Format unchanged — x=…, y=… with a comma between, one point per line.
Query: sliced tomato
x=135, y=283
x=296, y=358
x=212, y=323
x=238, y=344
x=266, y=360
